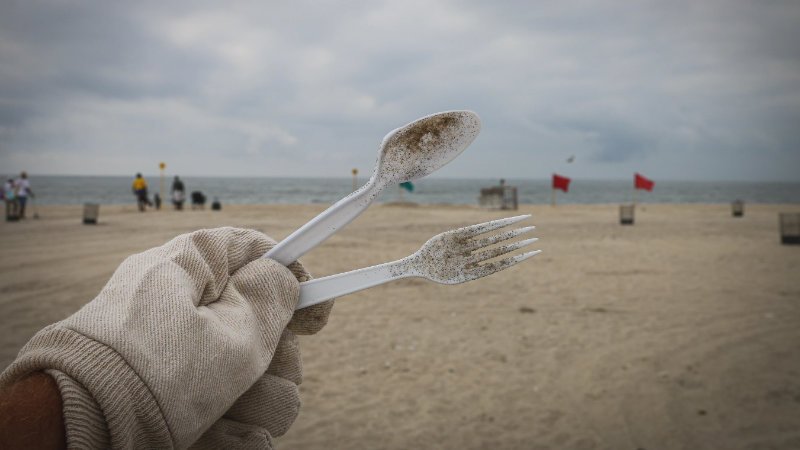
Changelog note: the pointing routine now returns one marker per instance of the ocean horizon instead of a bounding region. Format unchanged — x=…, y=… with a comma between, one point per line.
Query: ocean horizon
x=71, y=189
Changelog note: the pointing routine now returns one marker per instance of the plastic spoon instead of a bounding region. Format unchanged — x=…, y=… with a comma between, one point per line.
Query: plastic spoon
x=407, y=153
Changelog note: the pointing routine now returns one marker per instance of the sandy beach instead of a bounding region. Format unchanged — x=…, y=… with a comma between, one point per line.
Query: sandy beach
x=680, y=332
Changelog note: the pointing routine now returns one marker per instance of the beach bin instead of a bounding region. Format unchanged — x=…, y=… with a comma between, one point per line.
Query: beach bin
x=90, y=213
x=790, y=228
x=737, y=208
x=499, y=197
x=510, y=199
x=198, y=200
x=216, y=205
x=626, y=214
x=491, y=198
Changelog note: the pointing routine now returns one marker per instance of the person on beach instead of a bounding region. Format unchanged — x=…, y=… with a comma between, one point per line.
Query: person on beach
x=191, y=343
x=178, y=193
x=10, y=198
x=22, y=189
x=140, y=191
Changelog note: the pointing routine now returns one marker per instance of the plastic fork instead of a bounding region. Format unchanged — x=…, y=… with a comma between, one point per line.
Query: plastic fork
x=451, y=257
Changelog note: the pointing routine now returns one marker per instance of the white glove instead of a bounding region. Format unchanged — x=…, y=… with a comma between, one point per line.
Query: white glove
x=172, y=342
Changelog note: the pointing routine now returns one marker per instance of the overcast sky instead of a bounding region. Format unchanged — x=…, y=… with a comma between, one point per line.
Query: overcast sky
x=673, y=89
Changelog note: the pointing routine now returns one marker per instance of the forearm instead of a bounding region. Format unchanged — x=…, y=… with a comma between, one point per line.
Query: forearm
x=31, y=414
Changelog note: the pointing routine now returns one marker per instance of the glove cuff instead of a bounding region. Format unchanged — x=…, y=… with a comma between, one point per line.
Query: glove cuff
x=83, y=418
x=133, y=417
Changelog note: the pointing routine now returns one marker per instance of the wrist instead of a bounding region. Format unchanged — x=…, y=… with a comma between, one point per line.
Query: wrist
x=31, y=414
x=98, y=379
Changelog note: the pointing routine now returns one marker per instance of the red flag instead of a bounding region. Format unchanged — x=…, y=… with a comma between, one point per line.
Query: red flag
x=560, y=182
x=641, y=182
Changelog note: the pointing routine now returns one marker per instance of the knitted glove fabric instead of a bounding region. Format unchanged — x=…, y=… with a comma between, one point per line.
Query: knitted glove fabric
x=271, y=405
x=166, y=351
x=266, y=410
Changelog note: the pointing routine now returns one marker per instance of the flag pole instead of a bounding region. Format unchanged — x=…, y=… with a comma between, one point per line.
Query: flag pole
x=553, y=198
x=161, y=167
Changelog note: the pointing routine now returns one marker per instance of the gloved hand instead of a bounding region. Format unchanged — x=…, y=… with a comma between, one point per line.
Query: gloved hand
x=271, y=405
x=166, y=351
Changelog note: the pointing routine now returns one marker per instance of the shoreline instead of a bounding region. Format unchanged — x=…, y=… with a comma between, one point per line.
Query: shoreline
x=59, y=191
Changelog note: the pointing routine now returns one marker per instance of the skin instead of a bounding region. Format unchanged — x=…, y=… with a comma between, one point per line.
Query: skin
x=30, y=414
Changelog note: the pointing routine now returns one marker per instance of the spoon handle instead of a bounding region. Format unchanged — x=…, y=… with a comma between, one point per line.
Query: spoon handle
x=328, y=222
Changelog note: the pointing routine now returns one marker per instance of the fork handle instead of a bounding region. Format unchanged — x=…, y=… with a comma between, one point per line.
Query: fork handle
x=325, y=288
x=325, y=224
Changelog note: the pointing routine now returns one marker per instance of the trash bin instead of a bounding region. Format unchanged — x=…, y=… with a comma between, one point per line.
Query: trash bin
x=790, y=228
x=737, y=208
x=626, y=214
x=499, y=197
x=90, y=213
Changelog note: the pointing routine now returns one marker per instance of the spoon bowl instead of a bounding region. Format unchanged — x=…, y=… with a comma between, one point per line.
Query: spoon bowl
x=424, y=145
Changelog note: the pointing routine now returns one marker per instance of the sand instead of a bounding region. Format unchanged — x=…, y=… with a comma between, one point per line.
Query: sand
x=680, y=332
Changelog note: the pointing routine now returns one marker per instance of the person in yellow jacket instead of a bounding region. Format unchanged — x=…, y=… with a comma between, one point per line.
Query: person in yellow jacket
x=140, y=191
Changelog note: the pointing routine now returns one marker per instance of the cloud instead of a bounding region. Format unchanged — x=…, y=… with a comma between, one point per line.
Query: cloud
x=609, y=141
x=309, y=88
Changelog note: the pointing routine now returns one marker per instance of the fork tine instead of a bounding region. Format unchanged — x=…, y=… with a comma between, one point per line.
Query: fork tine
x=490, y=268
x=502, y=250
x=487, y=241
x=485, y=227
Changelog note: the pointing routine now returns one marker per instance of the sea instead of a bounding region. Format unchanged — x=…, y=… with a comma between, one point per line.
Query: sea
x=66, y=190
